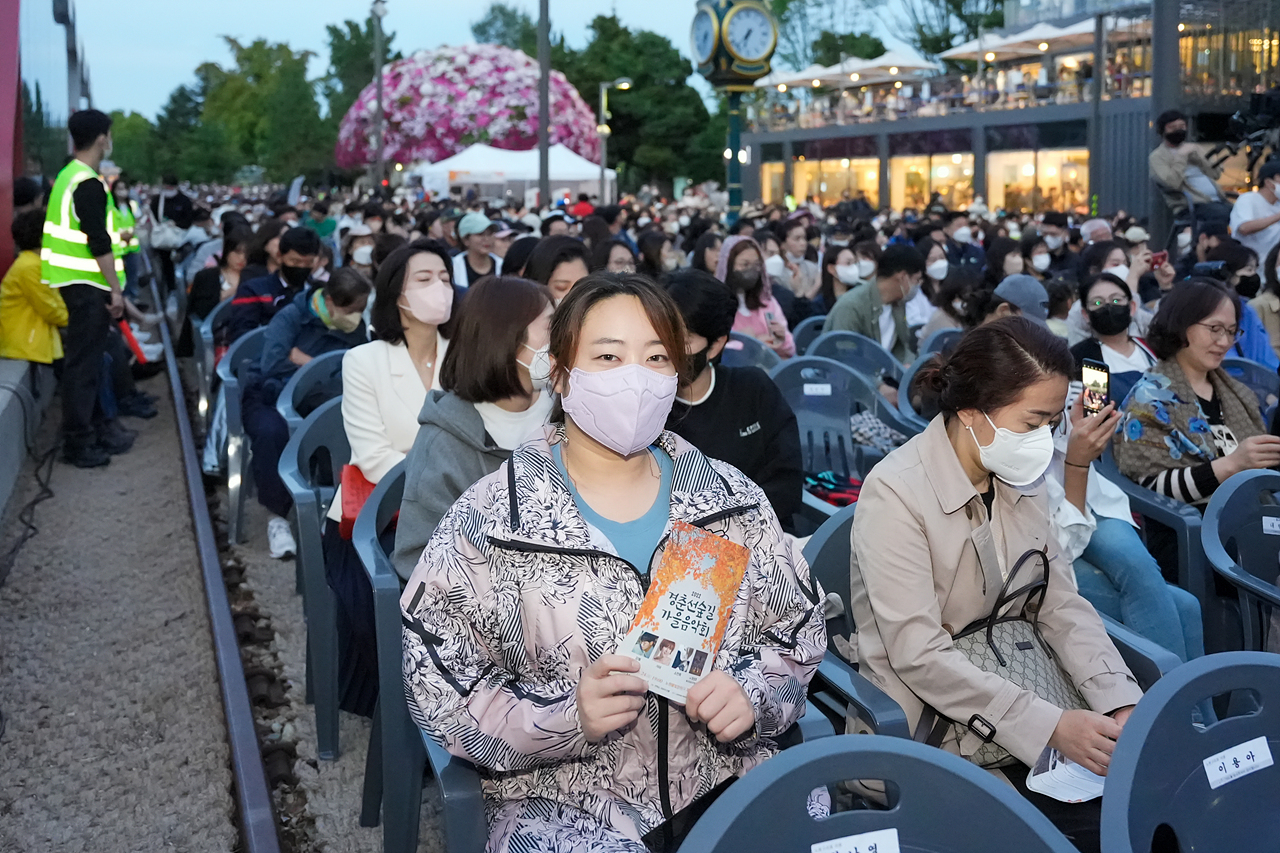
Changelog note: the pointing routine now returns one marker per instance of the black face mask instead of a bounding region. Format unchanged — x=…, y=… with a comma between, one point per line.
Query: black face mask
x=1110, y=319
x=743, y=281
x=698, y=361
x=295, y=277
x=1248, y=285
x=1176, y=137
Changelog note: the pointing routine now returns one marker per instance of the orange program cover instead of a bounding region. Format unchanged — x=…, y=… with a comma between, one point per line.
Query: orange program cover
x=682, y=619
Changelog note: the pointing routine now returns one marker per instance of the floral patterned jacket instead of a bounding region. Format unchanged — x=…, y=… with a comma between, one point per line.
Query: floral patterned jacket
x=515, y=595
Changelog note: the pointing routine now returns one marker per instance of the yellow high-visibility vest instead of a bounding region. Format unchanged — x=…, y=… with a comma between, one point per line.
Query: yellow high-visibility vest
x=64, y=254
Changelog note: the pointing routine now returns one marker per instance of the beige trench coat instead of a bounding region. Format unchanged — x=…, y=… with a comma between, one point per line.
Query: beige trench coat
x=925, y=559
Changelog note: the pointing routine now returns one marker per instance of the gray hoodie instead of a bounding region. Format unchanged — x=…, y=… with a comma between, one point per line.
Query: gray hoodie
x=452, y=451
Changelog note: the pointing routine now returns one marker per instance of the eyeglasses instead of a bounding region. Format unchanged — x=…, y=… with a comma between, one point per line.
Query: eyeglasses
x=1219, y=331
x=1100, y=302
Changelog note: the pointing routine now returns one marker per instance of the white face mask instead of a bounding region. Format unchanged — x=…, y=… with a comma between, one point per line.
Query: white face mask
x=1054, y=242
x=1018, y=458
x=1121, y=272
x=1040, y=262
x=938, y=269
x=683, y=220
x=963, y=235
x=866, y=268
x=670, y=263
x=362, y=255
x=847, y=273
x=539, y=366
x=671, y=227
x=774, y=265
x=1184, y=241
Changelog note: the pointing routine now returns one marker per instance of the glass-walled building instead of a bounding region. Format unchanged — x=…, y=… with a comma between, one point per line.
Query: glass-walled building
x=1040, y=123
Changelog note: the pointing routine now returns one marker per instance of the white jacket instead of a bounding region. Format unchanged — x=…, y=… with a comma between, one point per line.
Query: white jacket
x=460, y=268
x=382, y=395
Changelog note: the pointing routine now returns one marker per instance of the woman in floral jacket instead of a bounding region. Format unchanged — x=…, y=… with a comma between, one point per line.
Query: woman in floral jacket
x=517, y=607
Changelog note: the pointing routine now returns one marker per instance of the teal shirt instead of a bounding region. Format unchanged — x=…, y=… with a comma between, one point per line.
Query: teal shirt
x=635, y=541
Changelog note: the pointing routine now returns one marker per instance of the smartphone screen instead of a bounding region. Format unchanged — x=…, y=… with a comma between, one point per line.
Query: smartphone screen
x=1096, y=377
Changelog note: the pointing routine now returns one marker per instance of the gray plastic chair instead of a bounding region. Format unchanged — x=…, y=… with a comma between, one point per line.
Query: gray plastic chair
x=745, y=351
x=1240, y=530
x=1158, y=778
x=322, y=376
x=1195, y=575
x=861, y=353
x=1262, y=381
x=203, y=354
x=944, y=803
x=807, y=331
x=321, y=438
x=908, y=411
x=239, y=356
x=398, y=749
x=943, y=340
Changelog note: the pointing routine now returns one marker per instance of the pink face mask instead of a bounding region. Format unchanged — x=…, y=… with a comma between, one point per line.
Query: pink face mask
x=432, y=305
x=624, y=408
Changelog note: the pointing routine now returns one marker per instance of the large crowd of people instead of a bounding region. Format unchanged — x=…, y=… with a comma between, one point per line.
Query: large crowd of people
x=552, y=380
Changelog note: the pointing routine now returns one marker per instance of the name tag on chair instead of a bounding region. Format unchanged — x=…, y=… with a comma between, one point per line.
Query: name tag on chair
x=880, y=841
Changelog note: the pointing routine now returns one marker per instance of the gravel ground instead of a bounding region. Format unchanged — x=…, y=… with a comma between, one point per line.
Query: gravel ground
x=115, y=738
x=327, y=813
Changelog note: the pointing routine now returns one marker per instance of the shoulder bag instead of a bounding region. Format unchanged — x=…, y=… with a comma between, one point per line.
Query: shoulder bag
x=1009, y=646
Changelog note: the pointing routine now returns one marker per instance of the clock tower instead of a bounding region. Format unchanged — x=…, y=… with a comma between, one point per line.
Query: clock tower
x=732, y=42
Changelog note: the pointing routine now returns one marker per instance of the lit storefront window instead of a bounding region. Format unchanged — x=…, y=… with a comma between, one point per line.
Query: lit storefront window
x=773, y=182
x=806, y=178
x=1035, y=181
x=828, y=179
x=914, y=180
x=908, y=182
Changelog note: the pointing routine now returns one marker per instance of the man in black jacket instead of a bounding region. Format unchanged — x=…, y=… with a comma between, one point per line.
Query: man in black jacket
x=257, y=301
x=734, y=414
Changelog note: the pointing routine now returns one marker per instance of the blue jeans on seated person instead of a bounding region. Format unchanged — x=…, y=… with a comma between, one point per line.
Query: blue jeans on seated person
x=1120, y=578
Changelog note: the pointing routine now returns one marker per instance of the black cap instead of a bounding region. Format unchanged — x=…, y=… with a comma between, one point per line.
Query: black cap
x=1056, y=219
x=1270, y=169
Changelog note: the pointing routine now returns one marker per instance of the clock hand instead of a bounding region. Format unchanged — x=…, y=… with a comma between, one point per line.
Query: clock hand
x=747, y=37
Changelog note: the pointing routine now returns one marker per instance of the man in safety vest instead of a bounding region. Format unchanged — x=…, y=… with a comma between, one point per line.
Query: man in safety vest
x=77, y=257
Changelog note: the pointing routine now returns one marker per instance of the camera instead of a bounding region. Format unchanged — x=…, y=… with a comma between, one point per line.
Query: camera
x=1212, y=269
x=1256, y=130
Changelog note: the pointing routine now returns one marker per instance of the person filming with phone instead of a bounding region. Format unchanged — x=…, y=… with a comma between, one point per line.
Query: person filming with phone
x=1109, y=309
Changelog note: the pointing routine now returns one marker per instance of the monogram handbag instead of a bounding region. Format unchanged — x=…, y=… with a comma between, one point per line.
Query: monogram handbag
x=1009, y=646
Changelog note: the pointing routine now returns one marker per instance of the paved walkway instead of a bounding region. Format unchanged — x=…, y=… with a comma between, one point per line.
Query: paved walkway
x=115, y=738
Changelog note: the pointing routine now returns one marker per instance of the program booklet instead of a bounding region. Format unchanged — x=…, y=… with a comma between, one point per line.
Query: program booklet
x=682, y=619
x=1057, y=776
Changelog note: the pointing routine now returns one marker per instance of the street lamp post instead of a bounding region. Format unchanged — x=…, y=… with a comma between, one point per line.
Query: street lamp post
x=602, y=128
x=378, y=11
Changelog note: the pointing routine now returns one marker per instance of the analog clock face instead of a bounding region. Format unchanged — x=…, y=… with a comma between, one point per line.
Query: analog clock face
x=703, y=36
x=750, y=33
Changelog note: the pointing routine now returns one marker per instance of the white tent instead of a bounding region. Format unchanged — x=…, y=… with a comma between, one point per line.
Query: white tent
x=484, y=164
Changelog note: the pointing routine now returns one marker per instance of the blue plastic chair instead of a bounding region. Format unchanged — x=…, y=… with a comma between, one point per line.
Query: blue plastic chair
x=944, y=803
x=1241, y=537
x=807, y=331
x=942, y=340
x=745, y=351
x=320, y=439
x=908, y=411
x=322, y=375
x=824, y=394
x=239, y=356
x=1195, y=575
x=398, y=750
x=203, y=353
x=1158, y=778
x=859, y=352
x=1262, y=381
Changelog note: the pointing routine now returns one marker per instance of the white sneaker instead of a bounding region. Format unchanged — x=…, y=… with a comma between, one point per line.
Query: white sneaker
x=280, y=538
x=152, y=352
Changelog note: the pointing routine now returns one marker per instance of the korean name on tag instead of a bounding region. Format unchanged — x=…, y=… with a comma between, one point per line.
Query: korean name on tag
x=1230, y=764
x=879, y=841
x=1271, y=525
x=817, y=389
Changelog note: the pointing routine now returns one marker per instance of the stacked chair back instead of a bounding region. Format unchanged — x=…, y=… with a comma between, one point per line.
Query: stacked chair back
x=943, y=803
x=1241, y=537
x=806, y=332
x=311, y=467
x=319, y=379
x=239, y=357
x=399, y=750
x=821, y=392
x=941, y=341
x=905, y=406
x=202, y=350
x=1206, y=787
x=1262, y=381
x=745, y=351
x=861, y=353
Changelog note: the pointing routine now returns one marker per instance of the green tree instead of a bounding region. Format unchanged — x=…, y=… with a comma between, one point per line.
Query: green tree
x=508, y=26
x=42, y=136
x=660, y=127
x=134, y=139
x=208, y=155
x=296, y=139
x=175, y=125
x=350, y=64
x=936, y=25
x=830, y=49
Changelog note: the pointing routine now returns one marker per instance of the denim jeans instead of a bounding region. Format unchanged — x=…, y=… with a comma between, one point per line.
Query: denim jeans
x=1120, y=578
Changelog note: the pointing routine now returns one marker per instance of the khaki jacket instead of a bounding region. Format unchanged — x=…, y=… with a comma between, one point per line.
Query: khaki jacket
x=924, y=561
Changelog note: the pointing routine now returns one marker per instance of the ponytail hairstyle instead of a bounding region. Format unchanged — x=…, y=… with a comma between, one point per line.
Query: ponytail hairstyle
x=993, y=364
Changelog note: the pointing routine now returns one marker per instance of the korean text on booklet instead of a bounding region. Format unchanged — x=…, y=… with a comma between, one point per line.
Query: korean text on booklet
x=681, y=622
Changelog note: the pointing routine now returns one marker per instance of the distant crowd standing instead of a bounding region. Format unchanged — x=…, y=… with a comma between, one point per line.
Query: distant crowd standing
x=553, y=382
